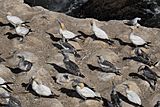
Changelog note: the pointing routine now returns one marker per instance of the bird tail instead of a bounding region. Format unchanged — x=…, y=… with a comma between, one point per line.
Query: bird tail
x=148, y=43
x=110, y=42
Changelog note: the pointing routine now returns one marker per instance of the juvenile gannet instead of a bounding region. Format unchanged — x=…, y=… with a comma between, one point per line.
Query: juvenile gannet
x=107, y=66
x=85, y=92
x=39, y=88
x=137, y=40
x=24, y=65
x=22, y=31
x=132, y=96
x=14, y=20
x=148, y=74
x=99, y=33
x=68, y=48
x=64, y=32
x=71, y=66
x=139, y=52
x=11, y=101
x=116, y=101
x=134, y=22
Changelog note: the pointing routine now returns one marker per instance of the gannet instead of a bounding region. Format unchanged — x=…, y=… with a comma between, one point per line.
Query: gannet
x=71, y=66
x=64, y=32
x=148, y=74
x=22, y=31
x=107, y=66
x=85, y=92
x=39, y=88
x=132, y=96
x=99, y=33
x=68, y=48
x=139, y=52
x=137, y=40
x=116, y=101
x=14, y=20
x=4, y=84
x=23, y=64
x=134, y=22
x=11, y=101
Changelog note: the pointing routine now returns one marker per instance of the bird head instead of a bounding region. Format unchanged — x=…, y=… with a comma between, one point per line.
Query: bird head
x=81, y=85
x=126, y=86
x=9, y=13
x=92, y=22
x=138, y=19
x=75, y=82
x=100, y=58
x=141, y=68
x=61, y=24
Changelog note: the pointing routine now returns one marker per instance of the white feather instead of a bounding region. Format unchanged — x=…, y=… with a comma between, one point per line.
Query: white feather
x=133, y=97
x=23, y=31
x=99, y=32
x=67, y=34
x=14, y=20
x=2, y=81
x=41, y=89
x=136, y=40
x=85, y=92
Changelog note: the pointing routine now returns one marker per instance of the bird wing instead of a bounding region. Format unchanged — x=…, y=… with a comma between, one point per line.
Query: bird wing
x=14, y=20
x=72, y=67
x=68, y=34
x=133, y=97
x=100, y=33
x=137, y=40
x=86, y=92
x=43, y=90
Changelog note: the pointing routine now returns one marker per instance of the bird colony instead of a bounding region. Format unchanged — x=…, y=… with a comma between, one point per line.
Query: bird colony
x=73, y=73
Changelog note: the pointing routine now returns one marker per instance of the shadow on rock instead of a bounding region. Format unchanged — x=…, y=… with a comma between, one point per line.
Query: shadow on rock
x=58, y=68
x=53, y=38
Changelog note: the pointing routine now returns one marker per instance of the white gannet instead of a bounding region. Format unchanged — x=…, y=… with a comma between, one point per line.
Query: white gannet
x=85, y=92
x=23, y=64
x=107, y=66
x=71, y=66
x=134, y=22
x=132, y=96
x=39, y=88
x=99, y=33
x=64, y=32
x=21, y=30
x=14, y=20
x=137, y=40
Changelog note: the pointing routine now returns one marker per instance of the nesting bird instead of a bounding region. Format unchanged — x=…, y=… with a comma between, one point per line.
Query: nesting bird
x=85, y=92
x=116, y=101
x=14, y=20
x=107, y=66
x=132, y=96
x=4, y=85
x=99, y=33
x=134, y=22
x=11, y=101
x=148, y=74
x=71, y=66
x=68, y=48
x=137, y=40
x=139, y=52
x=64, y=32
x=21, y=30
x=24, y=65
x=39, y=88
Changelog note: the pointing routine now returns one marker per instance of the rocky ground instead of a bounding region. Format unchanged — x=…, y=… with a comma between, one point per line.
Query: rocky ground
x=38, y=47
